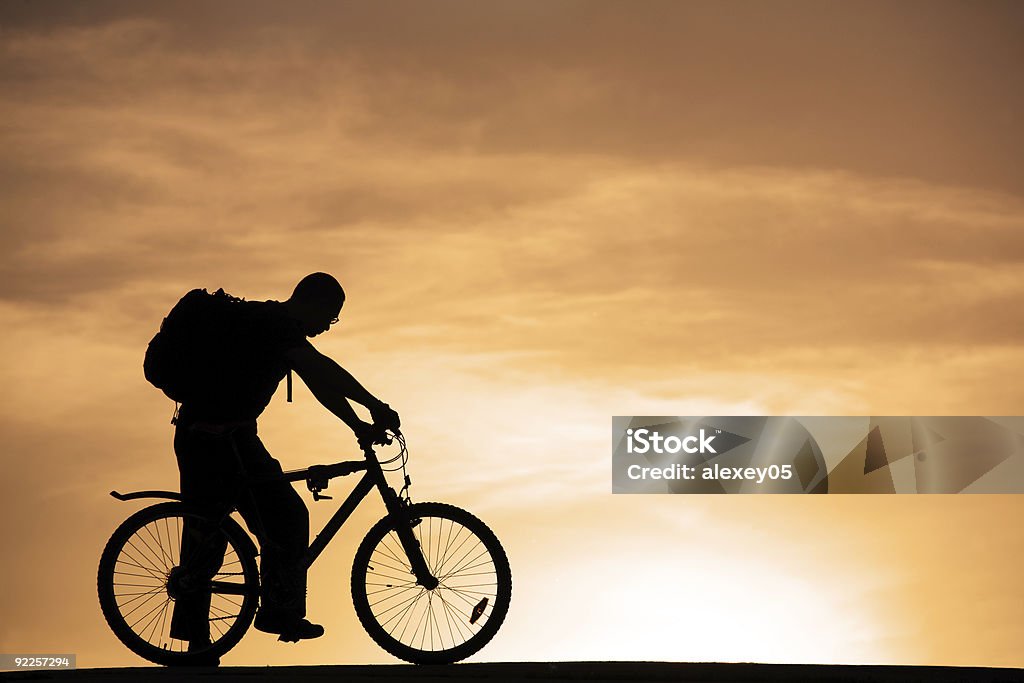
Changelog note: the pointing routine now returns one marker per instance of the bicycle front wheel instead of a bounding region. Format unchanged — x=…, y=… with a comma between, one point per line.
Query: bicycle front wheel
x=453, y=620
x=166, y=564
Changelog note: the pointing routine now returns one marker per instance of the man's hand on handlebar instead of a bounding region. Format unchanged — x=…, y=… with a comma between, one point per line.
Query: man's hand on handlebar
x=369, y=435
x=384, y=417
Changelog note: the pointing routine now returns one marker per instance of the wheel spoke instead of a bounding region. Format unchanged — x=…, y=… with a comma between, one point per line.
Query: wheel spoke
x=390, y=587
x=163, y=619
x=393, y=596
x=384, y=548
x=144, y=616
x=139, y=576
x=461, y=567
x=453, y=540
x=400, y=570
x=218, y=626
x=469, y=602
x=455, y=550
x=224, y=614
x=408, y=610
x=136, y=564
x=149, y=596
x=228, y=600
x=448, y=541
x=143, y=557
x=411, y=600
x=446, y=611
x=159, y=553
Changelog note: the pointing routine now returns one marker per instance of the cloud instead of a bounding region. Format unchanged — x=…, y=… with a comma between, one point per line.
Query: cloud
x=134, y=165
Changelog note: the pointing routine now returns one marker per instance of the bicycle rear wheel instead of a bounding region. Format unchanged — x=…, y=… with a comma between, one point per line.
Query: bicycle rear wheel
x=143, y=576
x=453, y=620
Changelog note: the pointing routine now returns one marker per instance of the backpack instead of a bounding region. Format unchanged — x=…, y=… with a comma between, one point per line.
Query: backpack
x=189, y=356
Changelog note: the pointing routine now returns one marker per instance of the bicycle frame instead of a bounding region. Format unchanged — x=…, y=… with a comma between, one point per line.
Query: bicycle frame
x=373, y=477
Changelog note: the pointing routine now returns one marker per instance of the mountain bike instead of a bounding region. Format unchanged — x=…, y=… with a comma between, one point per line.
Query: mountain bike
x=431, y=583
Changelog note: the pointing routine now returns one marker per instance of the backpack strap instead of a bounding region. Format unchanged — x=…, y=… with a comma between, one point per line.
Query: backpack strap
x=289, y=385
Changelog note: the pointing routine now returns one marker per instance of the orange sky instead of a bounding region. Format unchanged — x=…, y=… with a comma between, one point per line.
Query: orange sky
x=544, y=214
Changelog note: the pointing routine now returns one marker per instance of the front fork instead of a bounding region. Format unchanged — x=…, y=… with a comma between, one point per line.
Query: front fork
x=413, y=550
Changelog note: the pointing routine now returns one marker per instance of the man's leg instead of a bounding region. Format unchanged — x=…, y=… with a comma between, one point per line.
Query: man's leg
x=202, y=554
x=205, y=467
x=284, y=538
x=278, y=516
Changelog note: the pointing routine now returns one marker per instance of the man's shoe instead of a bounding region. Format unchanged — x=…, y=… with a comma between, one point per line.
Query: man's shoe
x=300, y=630
x=290, y=630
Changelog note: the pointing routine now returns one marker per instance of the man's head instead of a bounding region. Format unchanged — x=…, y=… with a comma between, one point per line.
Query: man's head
x=316, y=303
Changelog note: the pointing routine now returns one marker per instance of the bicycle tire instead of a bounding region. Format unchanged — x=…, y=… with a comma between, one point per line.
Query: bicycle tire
x=380, y=557
x=141, y=554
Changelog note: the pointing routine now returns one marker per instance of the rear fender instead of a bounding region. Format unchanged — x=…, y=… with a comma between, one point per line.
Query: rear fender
x=146, y=494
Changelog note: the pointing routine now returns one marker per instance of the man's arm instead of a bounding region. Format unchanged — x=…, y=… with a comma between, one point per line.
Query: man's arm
x=333, y=386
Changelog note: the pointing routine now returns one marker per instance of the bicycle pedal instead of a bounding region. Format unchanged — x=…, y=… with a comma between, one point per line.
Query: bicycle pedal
x=296, y=637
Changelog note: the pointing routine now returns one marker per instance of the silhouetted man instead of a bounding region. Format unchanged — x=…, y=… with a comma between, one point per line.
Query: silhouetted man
x=271, y=338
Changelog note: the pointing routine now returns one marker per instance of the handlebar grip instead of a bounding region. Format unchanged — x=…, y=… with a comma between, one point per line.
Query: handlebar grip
x=379, y=436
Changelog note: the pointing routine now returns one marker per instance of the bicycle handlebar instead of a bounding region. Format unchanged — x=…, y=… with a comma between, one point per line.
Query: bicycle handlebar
x=318, y=476
x=378, y=435
x=340, y=469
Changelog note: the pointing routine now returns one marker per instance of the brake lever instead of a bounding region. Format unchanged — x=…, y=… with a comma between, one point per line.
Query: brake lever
x=317, y=482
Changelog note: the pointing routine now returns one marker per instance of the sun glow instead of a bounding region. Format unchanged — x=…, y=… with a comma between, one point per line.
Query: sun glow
x=685, y=592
